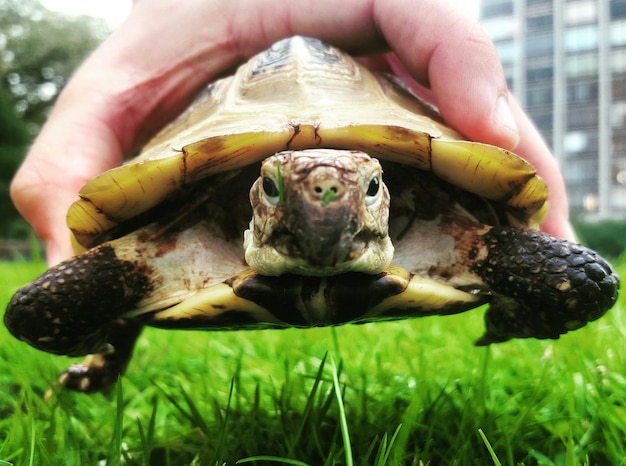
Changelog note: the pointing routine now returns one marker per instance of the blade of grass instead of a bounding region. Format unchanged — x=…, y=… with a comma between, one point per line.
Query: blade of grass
x=221, y=442
x=335, y=337
x=33, y=435
x=386, y=447
x=192, y=415
x=343, y=422
x=309, y=405
x=272, y=459
x=328, y=196
x=115, y=450
x=147, y=437
x=494, y=457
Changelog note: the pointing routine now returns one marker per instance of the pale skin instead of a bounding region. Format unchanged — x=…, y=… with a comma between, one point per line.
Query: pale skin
x=155, y=63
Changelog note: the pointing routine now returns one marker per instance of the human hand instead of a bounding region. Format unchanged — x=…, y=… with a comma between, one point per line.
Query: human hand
x=156, y=62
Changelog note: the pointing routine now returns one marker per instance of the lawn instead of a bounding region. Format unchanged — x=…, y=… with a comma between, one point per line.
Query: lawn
x=410, y=393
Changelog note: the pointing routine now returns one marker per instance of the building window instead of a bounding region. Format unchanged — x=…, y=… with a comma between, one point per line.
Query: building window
x=539, y=45
x=538, y=23
x=580, y=12
x=539, y=73
x=618, y=114
x=539, y=2
x=619, y=142
x=618, y=60
x=542, y=118
x=539, y=95
x=582, y=91
x=499, y=28
x=576, y=143
x=506, y=51
x=581, y=65
x=618, y=33
x=581, y=171
x=497, y=9
x=618, y=87
x=618, y=9
x=581, y=38
x=619, y=171
x=582, y=117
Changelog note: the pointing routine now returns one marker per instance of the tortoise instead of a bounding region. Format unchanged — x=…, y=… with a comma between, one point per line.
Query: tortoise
x=264, y=206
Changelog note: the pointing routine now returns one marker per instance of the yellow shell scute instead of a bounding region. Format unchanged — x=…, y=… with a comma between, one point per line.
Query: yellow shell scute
x=119, y=194
x=301, y=94
x=491, y=172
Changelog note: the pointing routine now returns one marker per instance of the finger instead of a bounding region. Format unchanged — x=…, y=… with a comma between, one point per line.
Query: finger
x=467, y=84
x=533, y=148
x=448, y=51
x=67, y=153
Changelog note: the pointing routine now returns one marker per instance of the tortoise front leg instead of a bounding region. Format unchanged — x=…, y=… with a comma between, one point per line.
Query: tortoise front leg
x=544, y=286
x=74, y=309
x=67, y=310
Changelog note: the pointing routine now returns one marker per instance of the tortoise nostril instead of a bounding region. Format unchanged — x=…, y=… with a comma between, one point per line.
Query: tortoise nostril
x=322, y=190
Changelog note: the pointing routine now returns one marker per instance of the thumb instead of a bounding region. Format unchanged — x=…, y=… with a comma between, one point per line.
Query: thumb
x=64, y=156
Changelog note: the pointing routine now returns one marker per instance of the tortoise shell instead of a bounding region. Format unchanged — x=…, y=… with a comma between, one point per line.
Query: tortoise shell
x=305, y=190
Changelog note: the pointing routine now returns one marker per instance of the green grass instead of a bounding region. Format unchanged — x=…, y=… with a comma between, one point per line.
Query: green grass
x=409, y=393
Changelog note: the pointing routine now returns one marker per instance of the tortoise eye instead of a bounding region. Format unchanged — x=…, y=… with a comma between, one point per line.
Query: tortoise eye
x=373, y=187
x=373, y=191
x=270, y=189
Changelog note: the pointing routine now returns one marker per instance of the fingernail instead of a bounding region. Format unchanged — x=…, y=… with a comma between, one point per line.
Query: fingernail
x=503, y=116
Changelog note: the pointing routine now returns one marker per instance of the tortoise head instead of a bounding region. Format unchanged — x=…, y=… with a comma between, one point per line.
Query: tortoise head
x=319, y=212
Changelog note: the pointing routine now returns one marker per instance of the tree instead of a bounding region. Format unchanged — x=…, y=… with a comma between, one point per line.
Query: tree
x=39, y=50
x=14, y=139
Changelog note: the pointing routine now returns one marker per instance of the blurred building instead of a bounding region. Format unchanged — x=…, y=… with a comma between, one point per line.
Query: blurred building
x=565, y=60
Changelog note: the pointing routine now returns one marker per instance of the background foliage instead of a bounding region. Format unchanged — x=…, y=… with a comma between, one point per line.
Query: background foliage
x=607, y=237
x=39, y=49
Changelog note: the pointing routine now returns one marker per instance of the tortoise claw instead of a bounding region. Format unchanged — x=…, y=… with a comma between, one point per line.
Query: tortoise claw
x=100, y=371
x=90, y=375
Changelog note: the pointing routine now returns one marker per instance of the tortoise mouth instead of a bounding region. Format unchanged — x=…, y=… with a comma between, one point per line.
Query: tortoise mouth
x=364, y=252
x=328, y=246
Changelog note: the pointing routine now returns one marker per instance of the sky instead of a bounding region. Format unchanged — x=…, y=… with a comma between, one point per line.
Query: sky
x=114, y=11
